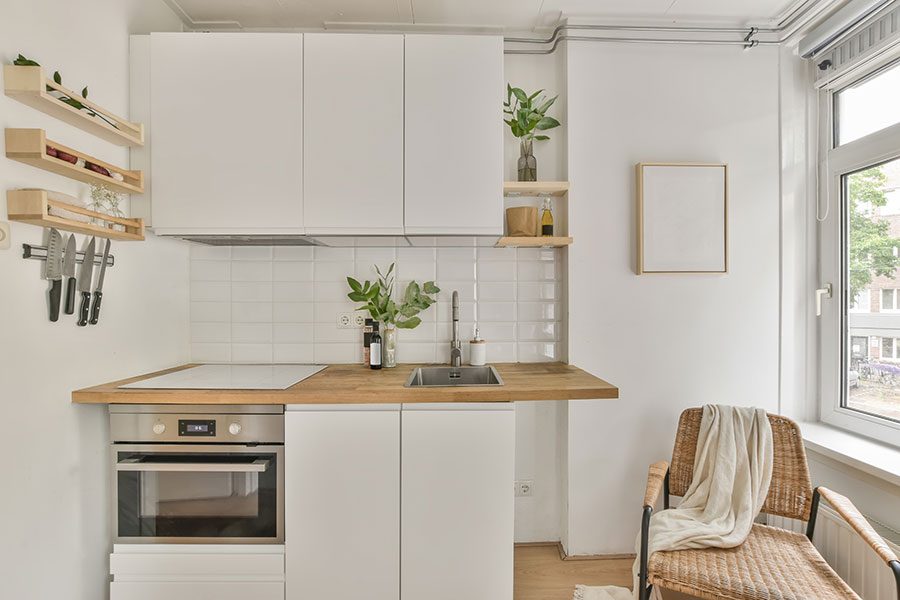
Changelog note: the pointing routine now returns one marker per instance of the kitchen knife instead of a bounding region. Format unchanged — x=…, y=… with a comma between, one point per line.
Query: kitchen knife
x=54, y=271
x=85, y=277
x=69, y=273
x=98, y=293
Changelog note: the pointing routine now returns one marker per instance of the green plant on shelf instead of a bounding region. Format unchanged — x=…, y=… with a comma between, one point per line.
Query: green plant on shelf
x=528, y=113
x=377, y=298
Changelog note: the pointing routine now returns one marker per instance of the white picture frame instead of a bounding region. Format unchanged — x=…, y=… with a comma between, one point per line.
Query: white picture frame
x=682, y=218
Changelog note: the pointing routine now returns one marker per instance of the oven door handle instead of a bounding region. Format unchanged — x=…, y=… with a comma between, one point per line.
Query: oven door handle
x=132, y=464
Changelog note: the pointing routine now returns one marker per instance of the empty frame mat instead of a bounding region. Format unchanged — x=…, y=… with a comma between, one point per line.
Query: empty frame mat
x=682, y=218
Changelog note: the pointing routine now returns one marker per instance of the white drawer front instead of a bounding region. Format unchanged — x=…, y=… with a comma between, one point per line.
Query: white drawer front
x=196, y=590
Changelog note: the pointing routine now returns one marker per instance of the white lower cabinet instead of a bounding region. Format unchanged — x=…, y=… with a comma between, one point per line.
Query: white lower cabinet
x=342, y=502
x=196, y=572
x=457, y=473
x=385, y=503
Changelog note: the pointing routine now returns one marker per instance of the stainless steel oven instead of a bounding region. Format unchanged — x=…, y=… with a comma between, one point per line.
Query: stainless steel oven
x=198, y=474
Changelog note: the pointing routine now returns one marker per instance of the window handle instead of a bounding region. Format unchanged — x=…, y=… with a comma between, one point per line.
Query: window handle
x=822, y=292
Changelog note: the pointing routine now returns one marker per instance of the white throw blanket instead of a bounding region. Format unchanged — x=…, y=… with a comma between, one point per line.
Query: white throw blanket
x=732, y=472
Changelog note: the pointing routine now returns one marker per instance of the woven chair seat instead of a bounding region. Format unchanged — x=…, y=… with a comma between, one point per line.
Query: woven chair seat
x=772, y=564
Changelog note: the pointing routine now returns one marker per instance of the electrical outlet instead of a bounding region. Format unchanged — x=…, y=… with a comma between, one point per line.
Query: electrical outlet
x=359, y=319
x=524, y=487
x=4, y=235
x=345, y=321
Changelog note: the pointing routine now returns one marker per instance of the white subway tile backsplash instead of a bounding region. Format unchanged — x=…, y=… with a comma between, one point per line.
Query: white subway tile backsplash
x=293, y=312
x=292, y=271
x=207, y=312
x=210, y=270
x=251, y=292
x=292, y=291
x=292, y=253
x=251, y=253
x=251, y=271
x=263, y=304
x=256, y=333
x=251, y=353
x=251, y=312
x=293, y=353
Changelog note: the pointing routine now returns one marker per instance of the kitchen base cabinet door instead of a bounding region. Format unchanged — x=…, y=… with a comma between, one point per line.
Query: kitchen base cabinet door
x=196, y=590
x=457, y=513
x=342, y=502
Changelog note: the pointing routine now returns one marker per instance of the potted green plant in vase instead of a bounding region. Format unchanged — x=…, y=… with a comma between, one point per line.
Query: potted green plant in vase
x=378, y=301
x=527, y=115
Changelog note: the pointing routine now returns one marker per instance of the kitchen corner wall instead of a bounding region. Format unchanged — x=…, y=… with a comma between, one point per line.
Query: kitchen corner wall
x=264, y=304
x=55, y=502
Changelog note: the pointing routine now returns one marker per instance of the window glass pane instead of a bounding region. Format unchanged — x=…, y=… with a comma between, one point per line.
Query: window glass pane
x=871, y=202
x=868, y=105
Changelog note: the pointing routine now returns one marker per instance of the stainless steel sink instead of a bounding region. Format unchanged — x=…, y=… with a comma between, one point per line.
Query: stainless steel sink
x=453, y=377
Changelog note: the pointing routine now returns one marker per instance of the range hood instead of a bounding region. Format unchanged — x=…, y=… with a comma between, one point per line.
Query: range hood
x=342, y=241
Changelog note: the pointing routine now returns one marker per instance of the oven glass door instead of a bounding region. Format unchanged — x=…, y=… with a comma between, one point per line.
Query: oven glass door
x=226, y=496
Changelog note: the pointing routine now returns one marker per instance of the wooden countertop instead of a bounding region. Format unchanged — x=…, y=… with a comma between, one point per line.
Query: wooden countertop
x=354, y=384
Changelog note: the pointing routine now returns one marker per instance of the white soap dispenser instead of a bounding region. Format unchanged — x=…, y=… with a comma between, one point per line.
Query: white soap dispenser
x=477, y=350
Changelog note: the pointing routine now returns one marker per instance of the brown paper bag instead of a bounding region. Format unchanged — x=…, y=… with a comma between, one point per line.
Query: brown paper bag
x=522, y=221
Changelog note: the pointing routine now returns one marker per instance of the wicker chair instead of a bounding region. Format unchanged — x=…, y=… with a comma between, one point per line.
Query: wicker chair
x=772, y=564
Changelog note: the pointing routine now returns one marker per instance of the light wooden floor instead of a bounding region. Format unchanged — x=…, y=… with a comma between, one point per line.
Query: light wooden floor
x=541, y=575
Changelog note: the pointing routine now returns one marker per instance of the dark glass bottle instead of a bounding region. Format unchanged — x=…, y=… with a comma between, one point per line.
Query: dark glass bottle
x=375, y=348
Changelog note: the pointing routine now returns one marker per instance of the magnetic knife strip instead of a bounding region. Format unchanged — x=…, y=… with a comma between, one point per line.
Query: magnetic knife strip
x=40, y=253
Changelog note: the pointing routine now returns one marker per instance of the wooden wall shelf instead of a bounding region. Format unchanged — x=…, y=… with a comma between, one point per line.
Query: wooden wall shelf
x=34, y=207
x=29, y=86
x=534, y=242
x=29, y=146
x=535, y=188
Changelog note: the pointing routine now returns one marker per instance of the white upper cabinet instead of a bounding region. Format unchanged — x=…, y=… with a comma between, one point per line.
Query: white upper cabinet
x=454, y=137
x=226, y=132
x=353, y=133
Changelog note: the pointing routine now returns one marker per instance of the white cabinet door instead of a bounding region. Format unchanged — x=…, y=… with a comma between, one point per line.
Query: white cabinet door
x=196, y=590
x=353, y=133
x=457, y=512
x=342, y=502
x=454, y=136
x=226, y=132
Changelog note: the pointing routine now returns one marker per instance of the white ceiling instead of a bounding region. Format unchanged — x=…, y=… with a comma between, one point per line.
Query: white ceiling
x=510, y=15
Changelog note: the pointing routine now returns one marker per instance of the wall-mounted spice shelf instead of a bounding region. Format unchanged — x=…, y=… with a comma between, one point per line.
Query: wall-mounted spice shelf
x=29, y=86
x=535, y=188
x=29, y=146
x=36, y=208
x=534, y=242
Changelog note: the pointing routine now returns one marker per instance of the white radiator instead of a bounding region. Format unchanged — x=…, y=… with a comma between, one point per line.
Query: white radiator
x=848, y=554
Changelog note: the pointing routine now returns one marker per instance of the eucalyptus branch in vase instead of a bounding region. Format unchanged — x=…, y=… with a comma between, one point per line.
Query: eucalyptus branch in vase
x=527, y=115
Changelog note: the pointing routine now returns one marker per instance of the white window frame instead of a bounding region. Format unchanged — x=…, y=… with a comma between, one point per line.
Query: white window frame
x=894, y=296
x=835, y=162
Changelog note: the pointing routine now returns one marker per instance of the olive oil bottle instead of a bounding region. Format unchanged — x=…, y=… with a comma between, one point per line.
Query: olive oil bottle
x=547, y=219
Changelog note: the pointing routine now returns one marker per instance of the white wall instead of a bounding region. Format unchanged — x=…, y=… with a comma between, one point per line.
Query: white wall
x=54, y=504
x=667, y=341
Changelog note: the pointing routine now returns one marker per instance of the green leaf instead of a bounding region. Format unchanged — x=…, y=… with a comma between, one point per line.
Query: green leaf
x=547, y=123
x=520, y=95
x=25, y=62
x=546, y=105
x=411, y=323
x=430, y=288
x=357, y=296
x=534, y=95
x=354, y=285
x=408, y=311
x=84, y=92
x=72, y=102
x=57, y=77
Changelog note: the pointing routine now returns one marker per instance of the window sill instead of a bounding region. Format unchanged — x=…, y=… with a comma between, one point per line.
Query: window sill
x=869, y=456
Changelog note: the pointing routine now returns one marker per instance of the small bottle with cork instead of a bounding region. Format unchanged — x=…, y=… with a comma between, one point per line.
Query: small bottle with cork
x=546, y=219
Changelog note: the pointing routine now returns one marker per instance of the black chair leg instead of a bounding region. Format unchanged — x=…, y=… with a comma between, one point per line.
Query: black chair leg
x=895, y=567
x=813, y=513
x=644, y=589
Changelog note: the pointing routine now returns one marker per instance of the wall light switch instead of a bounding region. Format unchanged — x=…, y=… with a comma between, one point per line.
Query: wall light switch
x=4, y=235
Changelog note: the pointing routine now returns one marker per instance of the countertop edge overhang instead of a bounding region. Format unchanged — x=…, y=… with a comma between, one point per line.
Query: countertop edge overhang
x=354, y=384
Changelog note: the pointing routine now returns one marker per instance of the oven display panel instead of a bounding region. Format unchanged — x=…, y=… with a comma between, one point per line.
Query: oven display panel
x=199, y=428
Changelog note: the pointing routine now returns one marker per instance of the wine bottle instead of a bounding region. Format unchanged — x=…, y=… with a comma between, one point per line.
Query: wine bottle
x=375, y=348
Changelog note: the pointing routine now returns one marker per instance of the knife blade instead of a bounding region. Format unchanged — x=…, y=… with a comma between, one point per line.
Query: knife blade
x=69, y=273
x=54, y=271
x=98, y=293
x=85, y=279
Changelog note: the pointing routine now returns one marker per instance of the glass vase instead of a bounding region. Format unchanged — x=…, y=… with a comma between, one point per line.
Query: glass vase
x=389, y=339
x=527, y=161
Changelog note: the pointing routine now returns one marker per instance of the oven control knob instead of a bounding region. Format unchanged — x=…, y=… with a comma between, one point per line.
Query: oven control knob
x=234, y=428
x=159, y=428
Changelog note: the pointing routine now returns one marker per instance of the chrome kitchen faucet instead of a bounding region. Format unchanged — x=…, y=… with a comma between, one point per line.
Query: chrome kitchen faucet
x=455, y=352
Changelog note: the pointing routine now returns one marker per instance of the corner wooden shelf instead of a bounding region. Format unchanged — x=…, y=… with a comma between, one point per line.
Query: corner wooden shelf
x=29, y=86
x=34, y=207
x=535, y=188
x=534, y=242
x=29, y=146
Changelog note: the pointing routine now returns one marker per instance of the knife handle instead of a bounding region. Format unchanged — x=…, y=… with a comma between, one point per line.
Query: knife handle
x=70, y=296
x=85, y=305
x=95, y=309
x=55, y=293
